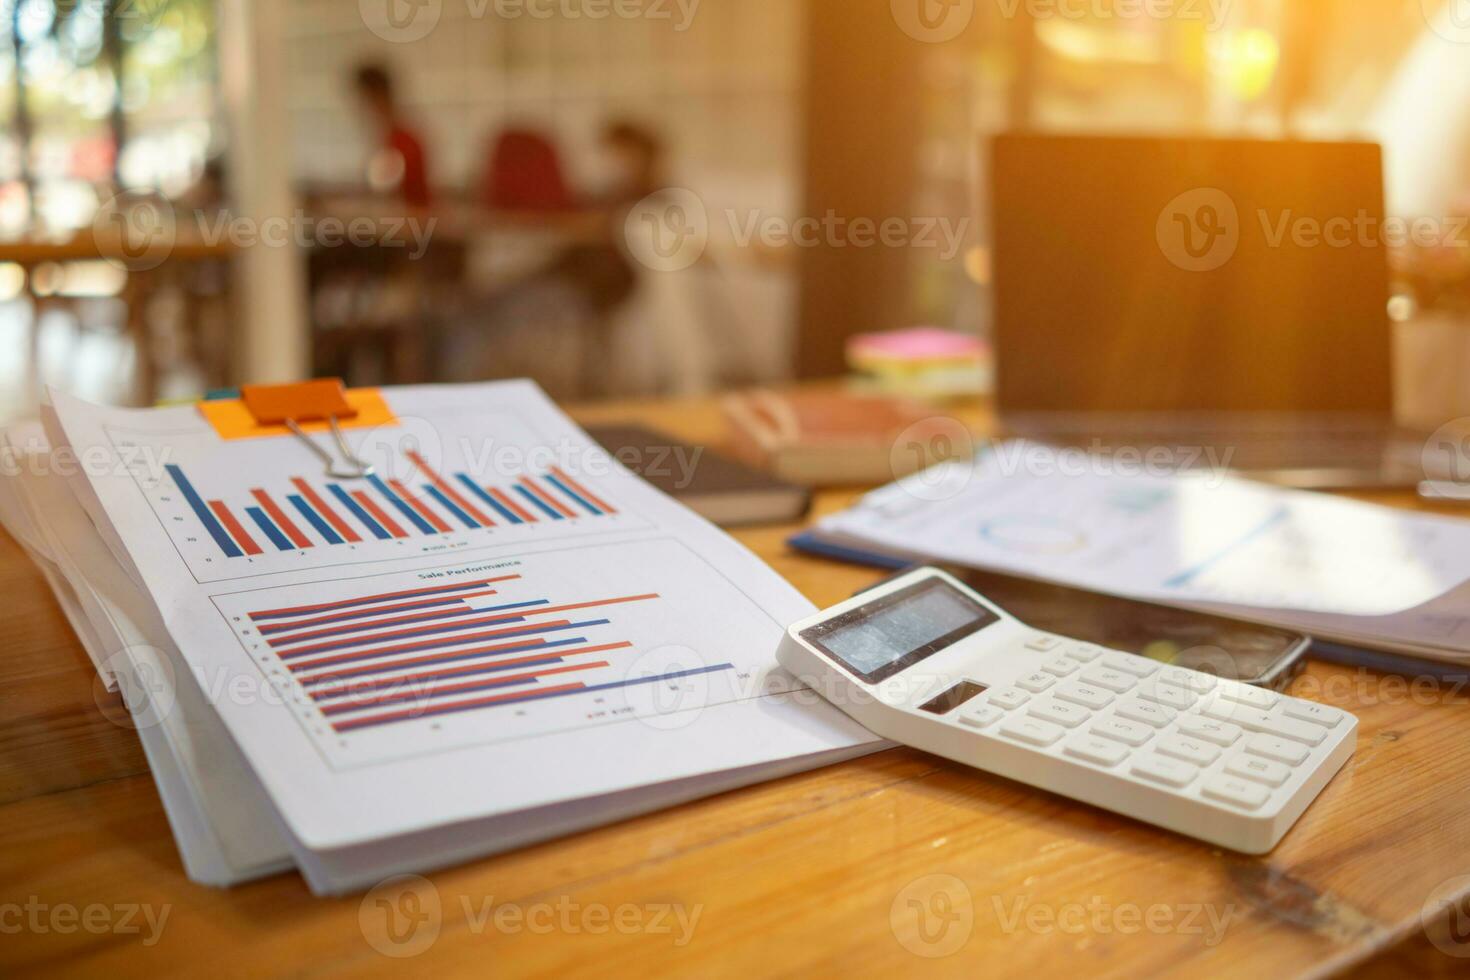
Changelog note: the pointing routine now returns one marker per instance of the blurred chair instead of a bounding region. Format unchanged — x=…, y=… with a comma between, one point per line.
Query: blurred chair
x=524, y=173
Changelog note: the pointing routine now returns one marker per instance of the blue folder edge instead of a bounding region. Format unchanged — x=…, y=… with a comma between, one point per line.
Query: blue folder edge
x=1337, y=653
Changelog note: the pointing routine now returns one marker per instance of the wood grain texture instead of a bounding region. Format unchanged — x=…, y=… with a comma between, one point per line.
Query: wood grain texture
x=810, y=874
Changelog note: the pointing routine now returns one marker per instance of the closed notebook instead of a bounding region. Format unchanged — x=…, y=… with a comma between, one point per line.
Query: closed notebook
x=833, y=439
x=716, y=487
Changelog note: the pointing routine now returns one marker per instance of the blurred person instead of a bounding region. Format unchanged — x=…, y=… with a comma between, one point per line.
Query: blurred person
x=601, y=271
x=399, y=161
x=634, y=160
x=590, y=279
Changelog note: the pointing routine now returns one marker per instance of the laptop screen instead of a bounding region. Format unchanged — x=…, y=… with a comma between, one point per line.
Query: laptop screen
x=1152, y=275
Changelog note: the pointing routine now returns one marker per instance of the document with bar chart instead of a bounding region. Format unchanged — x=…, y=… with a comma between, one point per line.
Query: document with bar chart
x=497, y=620
x=470, y=481
x=378, y=666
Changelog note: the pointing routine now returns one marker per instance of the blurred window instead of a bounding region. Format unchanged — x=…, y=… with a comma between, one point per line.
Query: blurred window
x=97, y=96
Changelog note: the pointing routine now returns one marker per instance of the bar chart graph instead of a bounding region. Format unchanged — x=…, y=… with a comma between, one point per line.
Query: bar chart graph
x=387, y=510
x=499, y=650
x=243, y=509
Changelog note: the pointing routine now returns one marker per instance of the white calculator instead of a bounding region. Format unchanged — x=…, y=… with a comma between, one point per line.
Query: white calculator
x=925, y=661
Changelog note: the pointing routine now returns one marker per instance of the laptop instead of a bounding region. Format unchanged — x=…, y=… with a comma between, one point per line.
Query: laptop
x=1225, y=301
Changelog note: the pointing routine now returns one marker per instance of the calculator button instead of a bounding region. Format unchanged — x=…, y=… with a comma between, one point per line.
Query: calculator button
x=1262, y=771
x=1220, y=732
x=1061, y=666
x=1096, y=750
x=1067, y=715
x=1255, y=720
x=981, y=717
x=1085, y=695
x=1114, y=680
x=1122, y=731
x=1008, y=698
x=1150, y=714
x=1246, y=795
x=1032, y=731
x=1279, y=749
x=1298, y=731
x=1168, y=695
x=1194, y=750
x=1255, y=697
x=1129, y=664
x=1037, y=682
x=1317, y=714
x=1251, y=719
x=1170, y=772
x=1043, y=644
x=1192, y=680
x=1084, y=652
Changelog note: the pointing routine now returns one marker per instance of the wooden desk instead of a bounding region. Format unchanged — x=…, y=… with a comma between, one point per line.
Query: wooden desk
x=803, y=875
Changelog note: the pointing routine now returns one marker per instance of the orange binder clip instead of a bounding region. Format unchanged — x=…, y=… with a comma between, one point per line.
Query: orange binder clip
x=310, y=401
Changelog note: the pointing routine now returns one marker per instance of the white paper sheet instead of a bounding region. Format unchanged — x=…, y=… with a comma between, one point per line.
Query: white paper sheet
x=1181, y=539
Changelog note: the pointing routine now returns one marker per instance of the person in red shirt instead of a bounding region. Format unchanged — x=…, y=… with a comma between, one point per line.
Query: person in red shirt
x=399, y=161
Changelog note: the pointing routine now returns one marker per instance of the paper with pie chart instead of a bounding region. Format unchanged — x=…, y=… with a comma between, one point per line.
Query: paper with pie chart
x=1189, y=538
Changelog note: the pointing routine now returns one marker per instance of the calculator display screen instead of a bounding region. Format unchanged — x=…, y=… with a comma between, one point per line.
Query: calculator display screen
x=877, y=640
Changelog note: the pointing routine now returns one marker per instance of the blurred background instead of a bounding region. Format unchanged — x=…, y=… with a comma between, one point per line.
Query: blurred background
x=194, y=193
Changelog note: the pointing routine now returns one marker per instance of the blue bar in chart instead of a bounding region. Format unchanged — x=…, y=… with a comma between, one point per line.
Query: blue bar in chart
x=356, y=510
x=315, y=519
x=225, y=542
x=541, y=505
x=264, y=522
x=413, y=516
x=586, y=504
x=494, y=504
x=451, y=506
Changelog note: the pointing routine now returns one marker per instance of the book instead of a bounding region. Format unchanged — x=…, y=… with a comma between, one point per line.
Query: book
x=832, y=439
x=717, y=488
x=497, y=636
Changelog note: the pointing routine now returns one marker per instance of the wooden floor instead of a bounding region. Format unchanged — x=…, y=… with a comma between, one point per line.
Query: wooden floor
x=896, y=864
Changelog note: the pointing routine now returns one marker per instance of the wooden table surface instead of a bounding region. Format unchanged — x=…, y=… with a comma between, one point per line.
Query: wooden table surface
x=876, y=866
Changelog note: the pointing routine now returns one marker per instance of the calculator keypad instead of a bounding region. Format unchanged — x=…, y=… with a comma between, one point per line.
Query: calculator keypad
x=1174, y=729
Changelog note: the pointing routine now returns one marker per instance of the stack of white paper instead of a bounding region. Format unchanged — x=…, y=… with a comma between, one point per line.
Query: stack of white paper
x=499, y=637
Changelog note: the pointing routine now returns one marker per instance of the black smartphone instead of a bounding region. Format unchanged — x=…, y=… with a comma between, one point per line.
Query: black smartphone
x=1228, y=648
